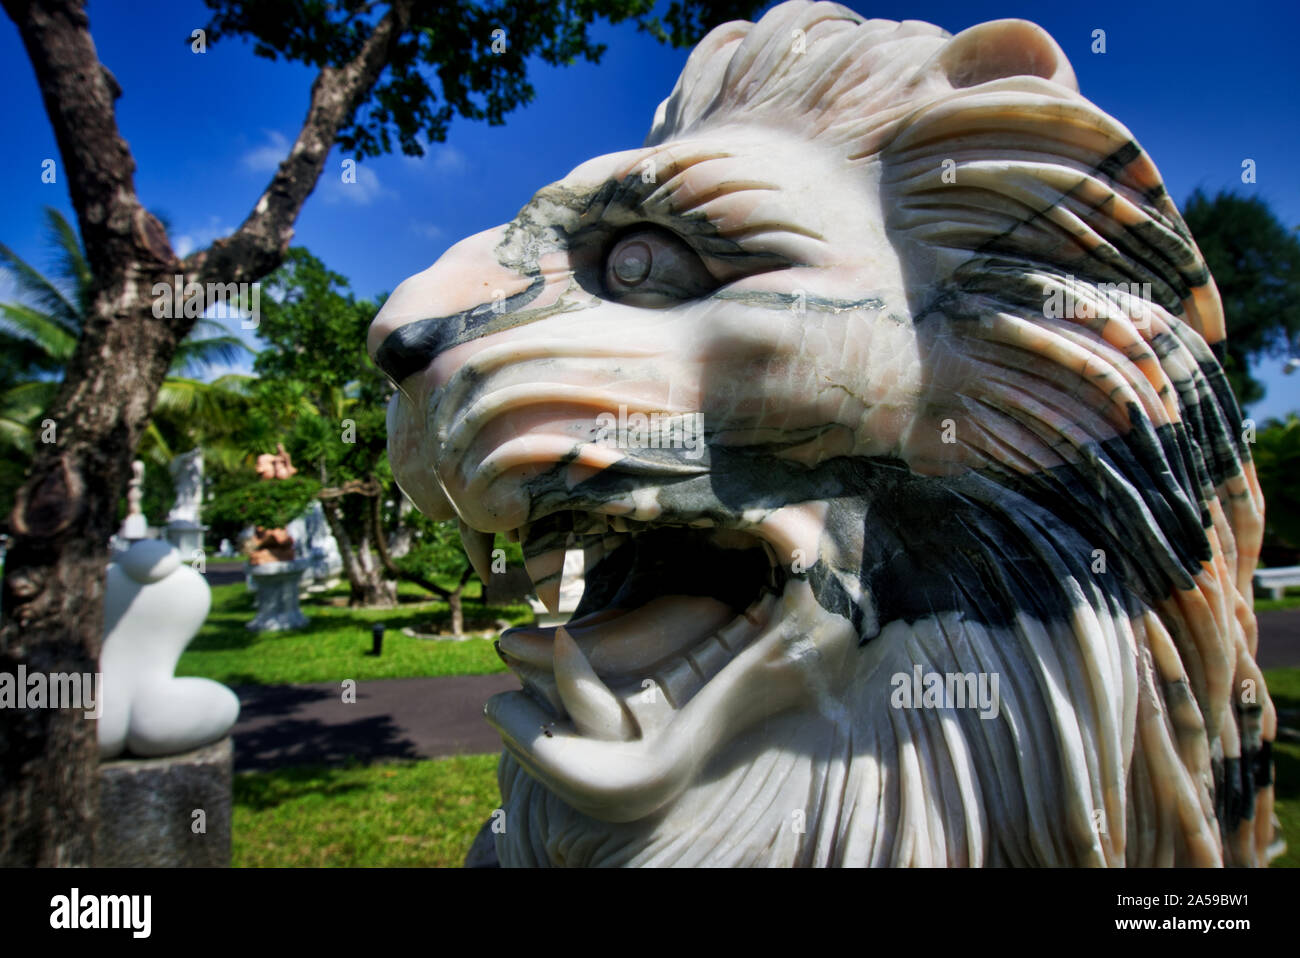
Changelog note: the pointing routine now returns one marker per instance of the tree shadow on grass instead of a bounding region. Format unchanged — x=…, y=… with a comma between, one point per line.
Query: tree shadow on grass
x=271, y=789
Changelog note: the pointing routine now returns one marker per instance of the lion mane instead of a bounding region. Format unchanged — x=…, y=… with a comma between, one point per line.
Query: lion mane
x=1070, y=506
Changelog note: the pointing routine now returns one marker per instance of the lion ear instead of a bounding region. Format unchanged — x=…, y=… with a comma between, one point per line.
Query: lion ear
x=1000, y=49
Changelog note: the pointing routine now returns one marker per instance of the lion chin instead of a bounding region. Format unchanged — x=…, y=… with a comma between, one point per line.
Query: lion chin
x=880, y=393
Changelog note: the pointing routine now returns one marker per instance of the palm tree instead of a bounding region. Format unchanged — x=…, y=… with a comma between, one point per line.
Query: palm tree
x=39, y=333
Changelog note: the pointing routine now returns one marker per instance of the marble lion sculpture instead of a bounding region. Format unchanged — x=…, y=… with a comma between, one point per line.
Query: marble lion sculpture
x=882, y=390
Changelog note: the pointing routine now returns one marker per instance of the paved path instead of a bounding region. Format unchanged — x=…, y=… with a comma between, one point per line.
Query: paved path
x=1279, y=639
x=433, y=717
x=391, y=719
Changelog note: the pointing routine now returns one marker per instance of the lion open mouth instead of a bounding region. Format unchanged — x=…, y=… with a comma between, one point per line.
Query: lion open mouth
x=680, y=640
x=664, y=609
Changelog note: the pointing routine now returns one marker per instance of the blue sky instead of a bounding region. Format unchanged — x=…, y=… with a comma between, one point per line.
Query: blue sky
x=1202, y=86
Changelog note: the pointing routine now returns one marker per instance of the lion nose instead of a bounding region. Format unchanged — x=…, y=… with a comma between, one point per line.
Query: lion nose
x=466, y=294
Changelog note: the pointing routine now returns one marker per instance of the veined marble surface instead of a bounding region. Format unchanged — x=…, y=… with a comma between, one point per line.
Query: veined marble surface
x=881, y=389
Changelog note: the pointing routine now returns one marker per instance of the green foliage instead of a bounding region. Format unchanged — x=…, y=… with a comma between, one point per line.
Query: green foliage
x=435, y=548
x=1255, y=261
x=319, y=394
x=450, y=46
x=1277, y=464
x=271, y=503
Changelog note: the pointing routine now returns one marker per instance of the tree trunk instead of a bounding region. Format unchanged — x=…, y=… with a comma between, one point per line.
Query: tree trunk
x=366, y=583
x=64, y=514
x=399, y=543
x=377, y=589
x=457, y=613
x=52, y=596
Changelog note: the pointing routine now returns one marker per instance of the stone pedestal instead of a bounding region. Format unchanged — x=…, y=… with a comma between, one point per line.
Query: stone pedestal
x=148, y=806
x=276, y=585
x=186, y=536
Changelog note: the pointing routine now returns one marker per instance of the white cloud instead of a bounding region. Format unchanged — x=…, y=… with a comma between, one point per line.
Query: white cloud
x=442, y=158
x=427, y=230
x=362, y=191
x=267, y=157
x=186, y=243
x=448, y=159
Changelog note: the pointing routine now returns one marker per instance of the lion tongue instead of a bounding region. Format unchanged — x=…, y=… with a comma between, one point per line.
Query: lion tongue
x=631, y=642
x=661, y=628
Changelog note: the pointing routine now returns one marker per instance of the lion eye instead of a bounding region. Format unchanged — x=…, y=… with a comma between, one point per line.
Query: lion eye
x=653, y=267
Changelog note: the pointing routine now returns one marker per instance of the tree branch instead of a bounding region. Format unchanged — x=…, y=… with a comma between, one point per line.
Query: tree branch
x=381, y=546
x=79, y=93
x=259, y=245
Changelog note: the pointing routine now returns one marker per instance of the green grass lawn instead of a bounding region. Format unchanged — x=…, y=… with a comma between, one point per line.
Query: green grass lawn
x=335, y=645
x=427, y=813
x=408, y=814
x=1290, y=600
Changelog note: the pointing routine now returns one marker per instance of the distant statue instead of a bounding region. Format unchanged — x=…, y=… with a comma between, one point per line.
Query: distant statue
x=271, y=545
x=276, y=465
x=187, y=476
x=135, y=525
x=268, y=545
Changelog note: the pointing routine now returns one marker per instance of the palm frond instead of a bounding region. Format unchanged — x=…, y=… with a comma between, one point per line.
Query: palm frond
x=15, y=437
x=239, y=384
x=195, y=355
x=39, y=291
x=21, y=406
x=73, y=266
x=153, y=447
x=46, y=335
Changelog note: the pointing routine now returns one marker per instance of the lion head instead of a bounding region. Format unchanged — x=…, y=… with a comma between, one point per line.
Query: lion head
x=882, y=390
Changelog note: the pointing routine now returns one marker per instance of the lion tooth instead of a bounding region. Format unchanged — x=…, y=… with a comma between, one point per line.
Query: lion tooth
x=618, y=523
x=594, y=709
x=546, y=570
x=709, y=657
x=648, y=706
x=737, y=633
x=478, y=546
x=679, y=681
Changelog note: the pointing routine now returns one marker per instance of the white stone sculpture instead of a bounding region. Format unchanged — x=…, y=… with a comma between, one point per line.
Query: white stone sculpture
x=957, y=570
x=312, y=538
x=153, y=606
x=187, y=477
x=134, y=525
x=184, y=528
